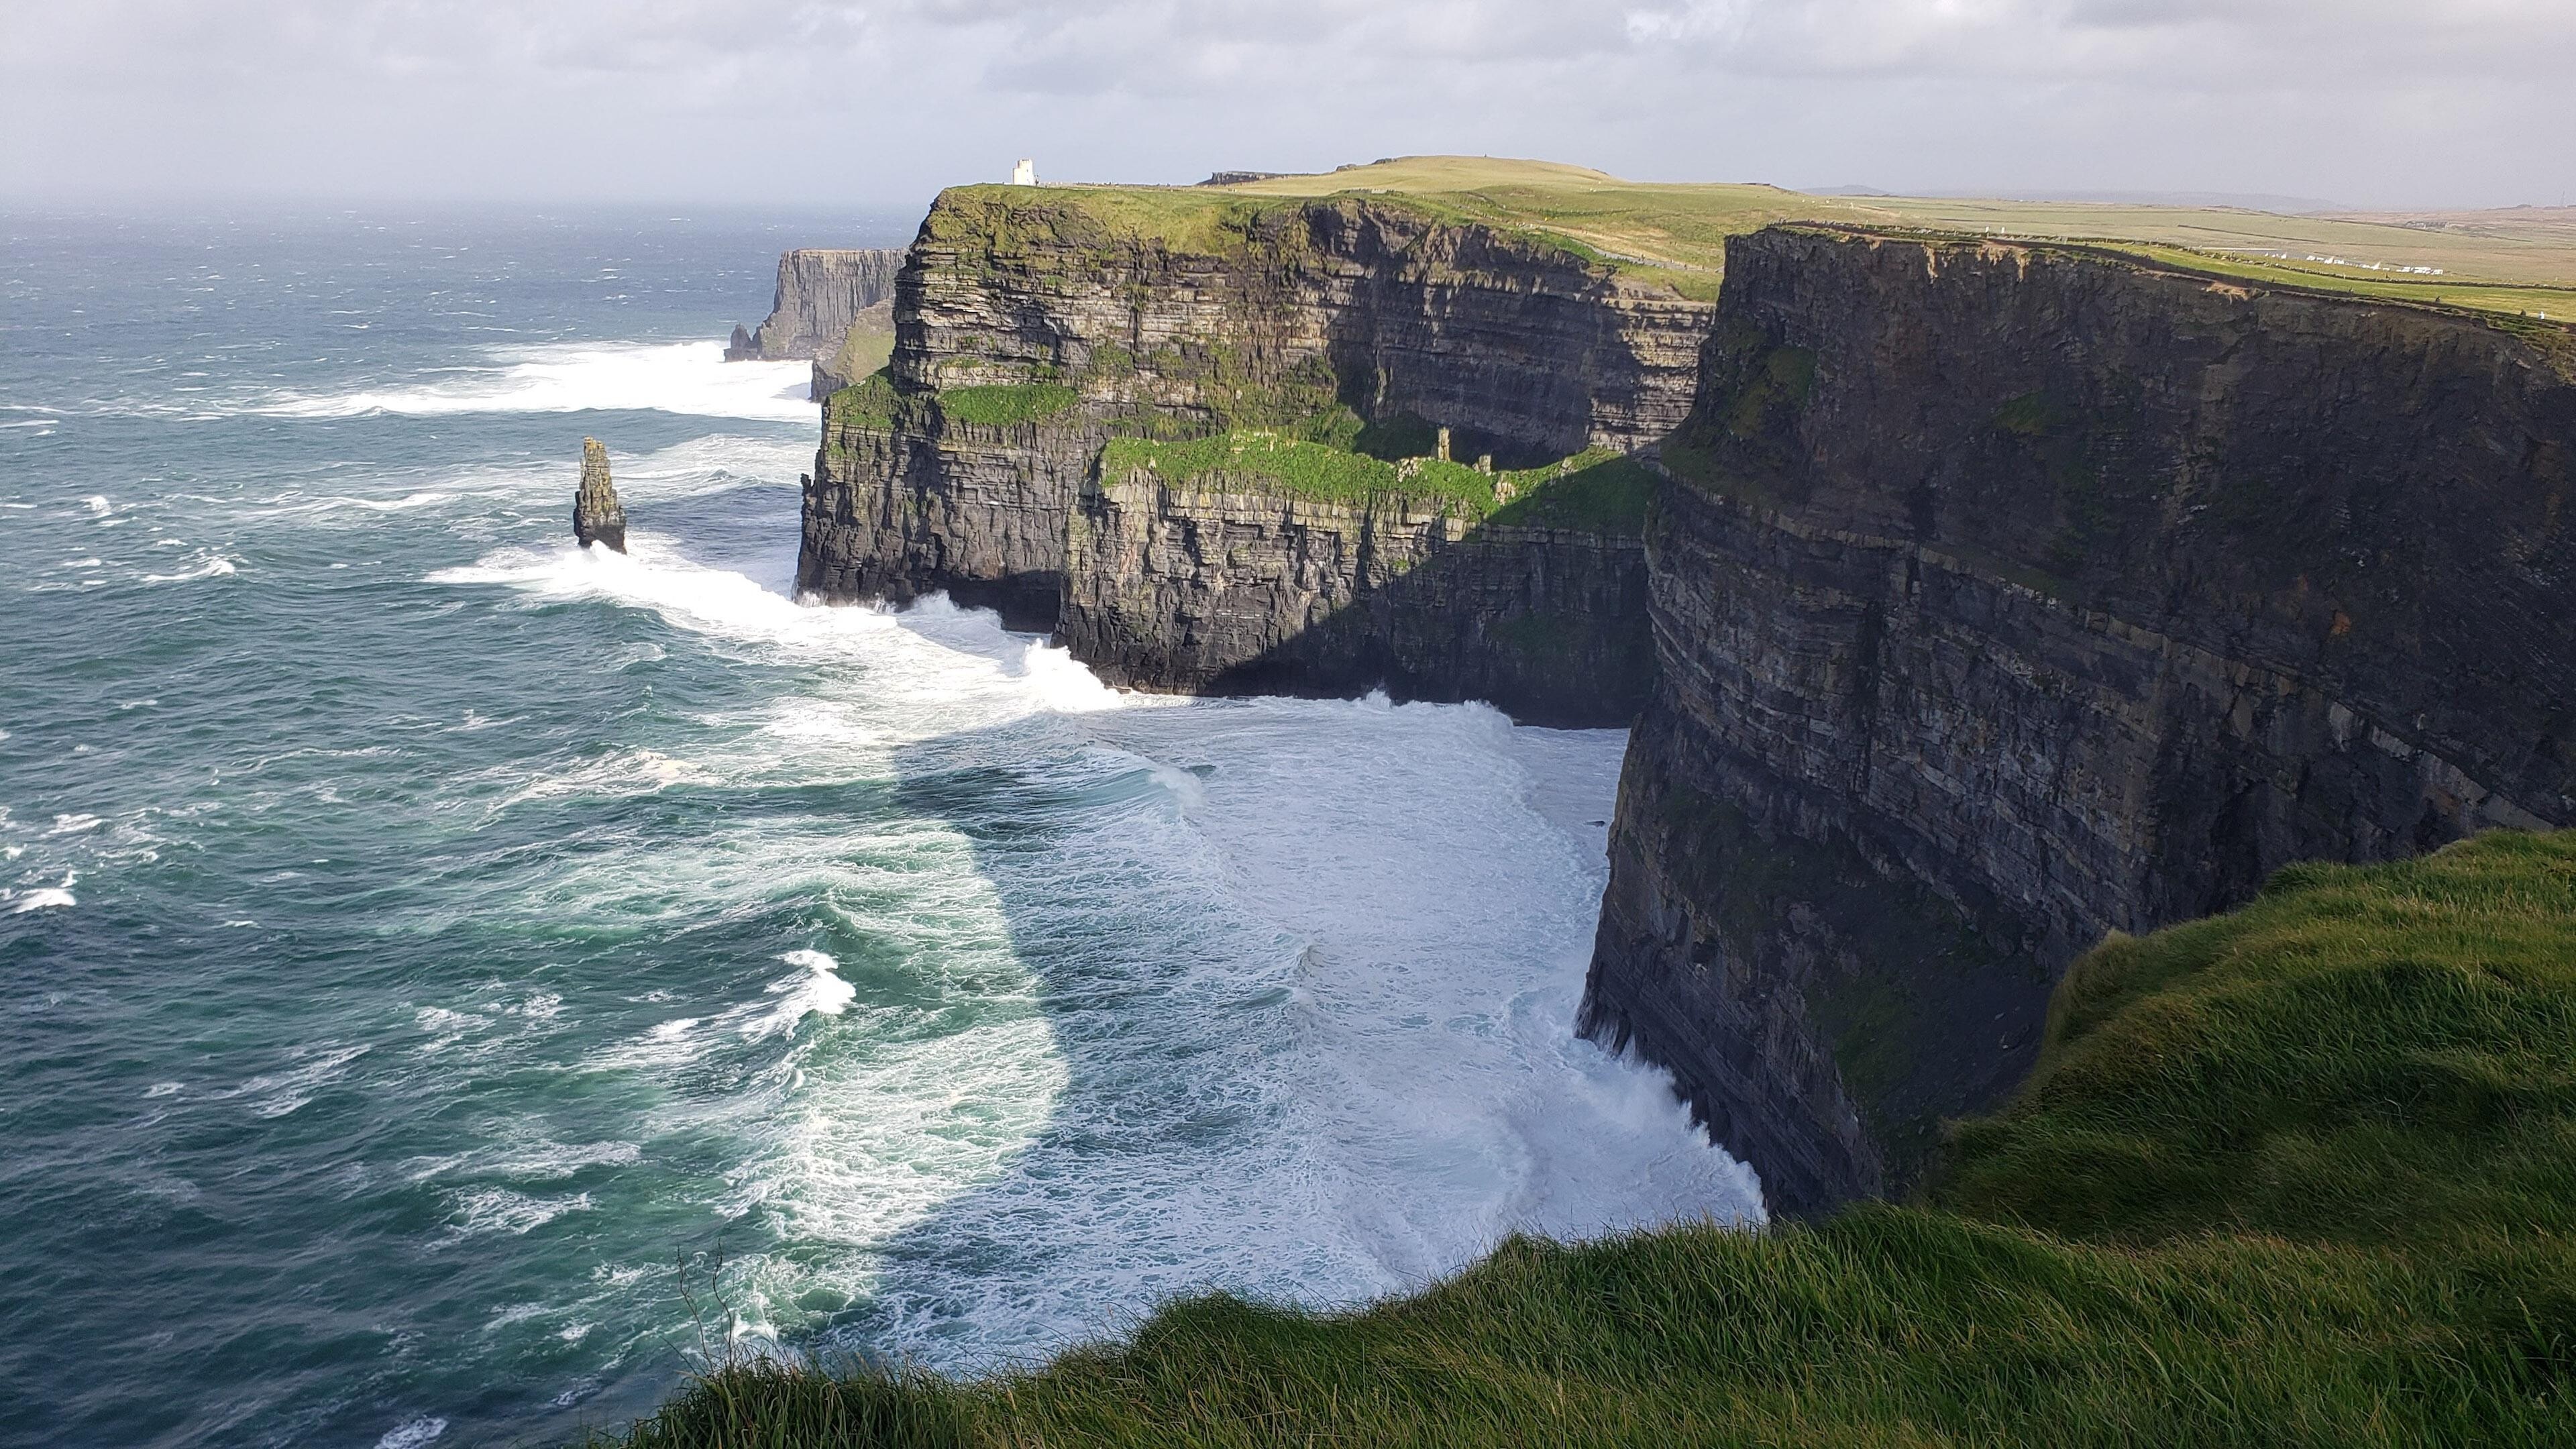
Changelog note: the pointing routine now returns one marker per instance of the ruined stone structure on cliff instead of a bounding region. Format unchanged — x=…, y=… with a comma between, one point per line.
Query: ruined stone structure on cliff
x=1994, y=597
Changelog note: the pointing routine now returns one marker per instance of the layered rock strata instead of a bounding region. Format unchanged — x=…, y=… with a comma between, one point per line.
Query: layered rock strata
x=1217, y=586
x=822, y=295
x=1270, y=315
x=2006, y=596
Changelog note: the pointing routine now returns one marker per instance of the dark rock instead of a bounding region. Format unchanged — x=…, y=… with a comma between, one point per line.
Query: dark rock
x=821, y=295
x=597, y=517
x=2012, y=595
x=1527, y=351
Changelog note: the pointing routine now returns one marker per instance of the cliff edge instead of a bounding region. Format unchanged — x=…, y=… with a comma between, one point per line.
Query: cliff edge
x=2006, y=596
x=1224, y=444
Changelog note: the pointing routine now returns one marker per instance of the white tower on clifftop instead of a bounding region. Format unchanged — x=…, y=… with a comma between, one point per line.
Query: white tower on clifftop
x=1025, y=173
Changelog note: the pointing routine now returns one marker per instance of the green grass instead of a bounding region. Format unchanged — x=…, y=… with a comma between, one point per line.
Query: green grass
x=1002, y=404
x=870, y=402
x=1674, y=234
x=2299, y=1175
x=1597, y=490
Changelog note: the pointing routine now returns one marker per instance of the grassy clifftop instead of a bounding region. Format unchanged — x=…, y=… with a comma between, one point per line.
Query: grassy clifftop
x=1675, y=233
x=2301, y=1174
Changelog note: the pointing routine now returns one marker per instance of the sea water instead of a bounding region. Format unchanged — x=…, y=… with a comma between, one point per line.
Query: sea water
x=450, y=981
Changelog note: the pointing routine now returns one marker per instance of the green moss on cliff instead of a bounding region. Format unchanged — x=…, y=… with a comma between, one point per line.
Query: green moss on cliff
x=1002, y=404
x=870, y=402
x=1283, y=463
x=2301, y=1175
x=1597, y=490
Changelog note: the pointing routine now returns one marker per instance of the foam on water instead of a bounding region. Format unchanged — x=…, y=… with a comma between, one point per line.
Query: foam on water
x=690, y=378
x=1295, y=983
x=477, y=923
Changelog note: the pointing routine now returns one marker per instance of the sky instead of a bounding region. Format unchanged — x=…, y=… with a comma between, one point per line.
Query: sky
x=817, y=103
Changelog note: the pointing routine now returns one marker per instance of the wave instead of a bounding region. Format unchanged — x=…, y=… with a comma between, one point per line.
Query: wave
x=214, y=566
x=690, y=378
x=1283, y=1005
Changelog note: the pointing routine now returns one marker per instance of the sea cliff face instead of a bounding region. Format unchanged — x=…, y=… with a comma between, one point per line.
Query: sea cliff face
x=834, y=307
x=2007, y=596
x=1992, y=598
x=822, y=293
x=1030, y=332
x=1216, y=587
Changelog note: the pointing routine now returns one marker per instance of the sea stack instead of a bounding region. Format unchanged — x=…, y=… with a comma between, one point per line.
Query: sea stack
x=596, y=514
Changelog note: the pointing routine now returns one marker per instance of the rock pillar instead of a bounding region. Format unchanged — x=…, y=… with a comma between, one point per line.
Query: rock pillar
x=597, y=517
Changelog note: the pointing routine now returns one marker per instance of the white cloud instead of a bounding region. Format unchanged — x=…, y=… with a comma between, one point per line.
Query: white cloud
x=2439, y=101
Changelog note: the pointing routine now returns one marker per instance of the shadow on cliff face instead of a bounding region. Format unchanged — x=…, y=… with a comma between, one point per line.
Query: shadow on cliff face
x=1540, y=612
x=1310, y=971
x=1550, y=629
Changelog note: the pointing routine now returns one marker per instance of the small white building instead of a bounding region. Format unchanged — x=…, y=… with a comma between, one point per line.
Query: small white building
x=1025, y=173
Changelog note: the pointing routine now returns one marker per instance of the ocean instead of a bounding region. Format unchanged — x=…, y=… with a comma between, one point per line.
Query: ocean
x=450, y=981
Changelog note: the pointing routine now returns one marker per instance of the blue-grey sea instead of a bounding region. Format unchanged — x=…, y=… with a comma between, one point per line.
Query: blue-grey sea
x=449, y=981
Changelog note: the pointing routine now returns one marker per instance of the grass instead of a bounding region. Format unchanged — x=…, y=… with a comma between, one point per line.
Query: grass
x=2298, y=1175
x=1003, y=404
x=1674, y=234
x=1597, y=490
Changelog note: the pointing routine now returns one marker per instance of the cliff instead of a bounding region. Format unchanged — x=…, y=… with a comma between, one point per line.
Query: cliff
x=1036, y=328
x=2008, y=596
x=835, y=307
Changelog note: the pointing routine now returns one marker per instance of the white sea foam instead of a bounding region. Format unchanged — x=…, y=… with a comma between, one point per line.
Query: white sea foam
x=499, y=1210
x=43, y=898
x=673, y=377
x=820, y=991
x=212, y=566
x=413, y=1434
x=279, y=1093
x=1280, y=1000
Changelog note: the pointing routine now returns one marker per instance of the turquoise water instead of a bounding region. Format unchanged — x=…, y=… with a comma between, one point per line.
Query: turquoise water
x=451, y=979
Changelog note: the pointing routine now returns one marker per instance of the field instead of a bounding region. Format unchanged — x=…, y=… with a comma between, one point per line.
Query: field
x=2304, y=1174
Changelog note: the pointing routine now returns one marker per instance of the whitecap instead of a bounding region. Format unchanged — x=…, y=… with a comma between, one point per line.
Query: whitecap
x=820, y=991
x=499, y=1210
x=44, y=899
x=688, y=378
x=213, y=566
x=413, y=1435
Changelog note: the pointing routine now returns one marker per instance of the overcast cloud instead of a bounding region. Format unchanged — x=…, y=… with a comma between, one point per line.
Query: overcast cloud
x=815, y=102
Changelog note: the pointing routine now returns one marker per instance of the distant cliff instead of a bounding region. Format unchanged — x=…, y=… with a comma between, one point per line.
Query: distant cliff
x=2006, y=596
x=1033, y=330
x=826, y=301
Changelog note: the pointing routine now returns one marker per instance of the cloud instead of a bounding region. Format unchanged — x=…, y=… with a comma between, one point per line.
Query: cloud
x=2440, y=101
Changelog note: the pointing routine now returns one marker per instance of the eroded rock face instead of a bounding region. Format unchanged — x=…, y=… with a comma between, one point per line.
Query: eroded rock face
x=1205, y=588
x=2008, y=596
x=1524, y=351
x=822, y=293
x=597, y=516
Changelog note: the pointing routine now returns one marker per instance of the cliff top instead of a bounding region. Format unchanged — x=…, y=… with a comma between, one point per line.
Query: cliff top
x=2518, y=260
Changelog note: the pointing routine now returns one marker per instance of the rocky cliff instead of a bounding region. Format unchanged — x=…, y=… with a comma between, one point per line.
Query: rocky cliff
x=825, y=299
x=1034, y=328
x=2006, y=596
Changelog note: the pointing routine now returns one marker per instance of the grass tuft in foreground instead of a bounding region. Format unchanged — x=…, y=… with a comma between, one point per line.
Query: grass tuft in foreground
x=2298, y=1175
